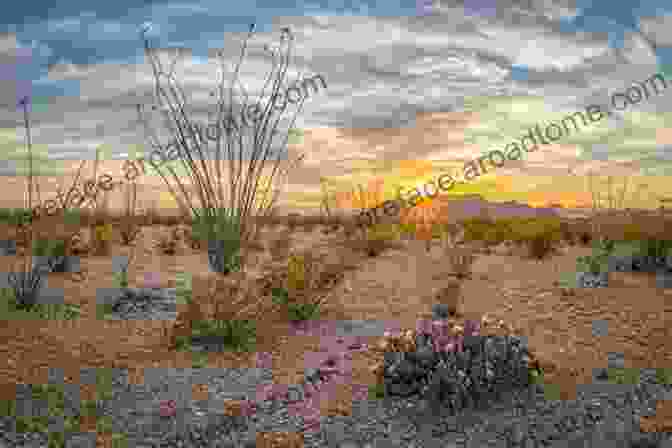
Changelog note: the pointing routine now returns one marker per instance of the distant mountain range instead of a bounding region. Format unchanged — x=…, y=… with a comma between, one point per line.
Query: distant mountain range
x=471, y=206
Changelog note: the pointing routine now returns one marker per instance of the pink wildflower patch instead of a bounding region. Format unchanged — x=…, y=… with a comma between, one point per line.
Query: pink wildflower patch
x=167, y=408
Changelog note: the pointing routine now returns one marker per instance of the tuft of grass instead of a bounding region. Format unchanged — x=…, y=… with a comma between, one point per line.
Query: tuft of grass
x=119, y=441
x=129, y=227
x=103, y=310
x=12, y=309
x=623, y=375
x=199, y=360
x=183, y=287
x=233, y=334
x=104, y=425
x=376, y=392
x=664, y=376
x=103, y=384
x=16, y=216
x=237, y=335
x=297, y=312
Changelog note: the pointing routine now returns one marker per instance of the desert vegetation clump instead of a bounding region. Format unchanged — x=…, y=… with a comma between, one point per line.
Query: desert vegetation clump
x=296, y=295
x=540, y=235
x=378, y=237
x=129, y=227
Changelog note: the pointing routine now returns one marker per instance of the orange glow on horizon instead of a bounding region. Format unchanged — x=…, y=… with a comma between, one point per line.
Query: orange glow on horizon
x=566, y=199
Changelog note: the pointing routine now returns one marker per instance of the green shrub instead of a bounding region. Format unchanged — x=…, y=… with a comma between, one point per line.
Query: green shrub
x=595, y=264
x=220, y=224
x=475, y=229
x=48, y=247
x=72, y=217
x=199, y=360
x=5, y=214
x=224, y=227
x=664, y=376
x=655, y=248
x=104, y=425
x=623, y=375
x=17, y=216
x=54, y=396
x=238, y=335
x=626, y=248
x=385, y=232
x=10, y=308
x=297, y=311
x=119, y=441
x=183, y=288
x=376, y=391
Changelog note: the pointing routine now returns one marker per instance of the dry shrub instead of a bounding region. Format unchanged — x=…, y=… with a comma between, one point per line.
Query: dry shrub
x=167, y=243
x=351, y=228
x=540, y=246
x=190, y=313
x=566, y=233
x=449, y=234
x=217, y=299
x=101, y=239
x=450, y=295
x=183, y=232
x=279, y=245
x=255, y=245
x=293, y=221
x=235, y=296
x=461, y=261
x=378, y=238
x=129, y=227
x=303, y=274
x=78, y=246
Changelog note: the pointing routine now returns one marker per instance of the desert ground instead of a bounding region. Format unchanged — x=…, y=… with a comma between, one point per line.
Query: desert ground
x=398, y=286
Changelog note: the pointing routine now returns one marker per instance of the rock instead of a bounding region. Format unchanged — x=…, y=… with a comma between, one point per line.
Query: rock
x=441, y=310
x=645, y=263
x=311, y=374
x=663, y=279
x=142, y=303
x=7, y=247
x=621, y=264
x=590, y=280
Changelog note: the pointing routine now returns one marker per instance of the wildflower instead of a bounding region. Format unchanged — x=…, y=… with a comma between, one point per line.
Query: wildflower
x=167, y=408
x=152, y=280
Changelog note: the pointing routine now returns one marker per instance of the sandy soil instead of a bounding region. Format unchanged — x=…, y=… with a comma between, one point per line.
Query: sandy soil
x=397, y=287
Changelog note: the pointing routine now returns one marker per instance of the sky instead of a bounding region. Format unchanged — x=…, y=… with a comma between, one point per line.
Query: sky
x=514, y=63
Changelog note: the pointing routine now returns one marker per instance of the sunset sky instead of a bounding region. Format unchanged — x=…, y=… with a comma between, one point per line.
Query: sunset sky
x=412, y=89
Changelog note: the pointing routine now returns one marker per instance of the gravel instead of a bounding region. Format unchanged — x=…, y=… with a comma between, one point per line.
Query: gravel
x=412, y=414
x=603, y=414
x=141, y=303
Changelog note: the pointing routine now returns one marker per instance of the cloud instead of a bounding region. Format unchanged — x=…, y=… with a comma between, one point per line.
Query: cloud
x=513, y=68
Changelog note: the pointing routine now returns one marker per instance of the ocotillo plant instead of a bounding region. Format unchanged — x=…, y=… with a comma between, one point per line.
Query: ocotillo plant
x=248, y=149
